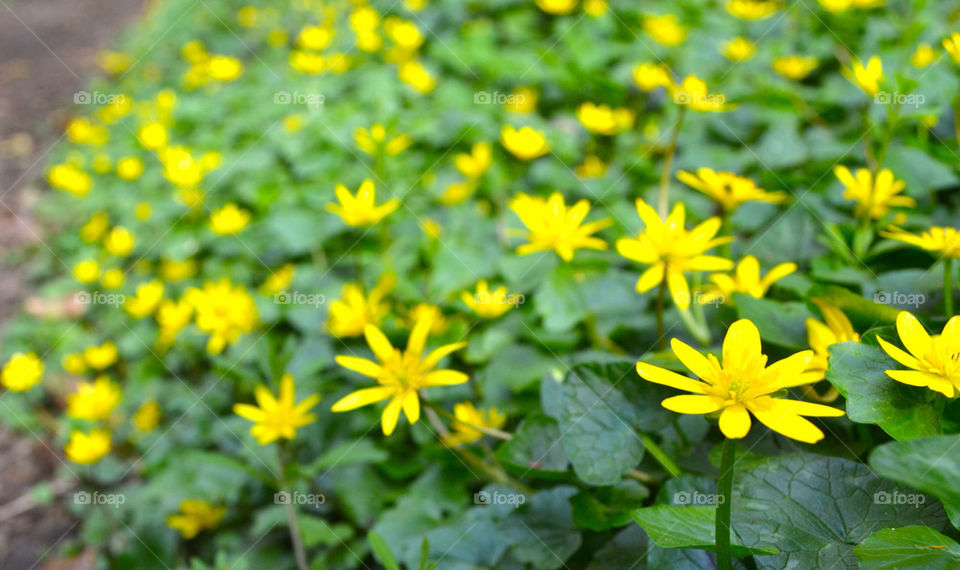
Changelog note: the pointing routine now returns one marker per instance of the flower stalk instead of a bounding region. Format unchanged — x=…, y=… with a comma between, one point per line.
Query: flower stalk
x=948, y=287
x=663, y=201
x=725, y=490
x=291, y=512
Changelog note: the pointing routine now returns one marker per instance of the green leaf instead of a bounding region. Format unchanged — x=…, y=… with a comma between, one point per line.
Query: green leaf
x=544, y=534
x=928, y=464
x=862, y=312
x=908, y=547
x=669, y=526
x=560, y=300
x=346, y=453
x=608, y=507
x=859, y=372
x=534, y=448
x=382, y=551
x=783, y=324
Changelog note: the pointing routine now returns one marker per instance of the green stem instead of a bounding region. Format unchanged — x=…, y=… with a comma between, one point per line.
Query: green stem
x=724, y=507
x=660, y=455
x=661, y=293
x=726, y=229
x=663, y=201
x=291, y=513
x=868, y=140
x=948, y=286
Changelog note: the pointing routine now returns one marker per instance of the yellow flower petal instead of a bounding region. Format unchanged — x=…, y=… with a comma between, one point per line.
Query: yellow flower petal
x=361, y=398
x=692, y=404
x=669, y=378
x=735, y=421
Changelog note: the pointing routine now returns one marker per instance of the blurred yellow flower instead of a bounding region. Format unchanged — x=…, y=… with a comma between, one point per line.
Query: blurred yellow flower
x=172, y=317
x=114, y=62
x=522, y=100
x=557, y=7
x=119, y=242
x=457, y=192
x=172, y=270
x=874, y=197
x=224, y=68
x=71, y=179
x=82, y=131
x=143, y=211
x=525, y=143
x=248, y=16
x=278, y=280
x=147, y=416
x=414, y=74
x=195, y=516
x=665, y=29
x=595, y=8
x=795, y=67
x=553, y=226
x=467, y=417
x=648, y=76
x=692, y=92
x=315, y=38
x=280, y=416
x=400, y=375
x=866, y=77
x=439, y=323
x=671, y=250
x=95, y=227
x=746, y=279
x=361, y=210
x=728, y=189
x=372, y=140
x=307, y=62
x=931, y=359
x=489, y=304
x=146, y=300
x=923, y=56
x=229, y=220
x=22, y=372
x=602, y=119
x=752, y=9
x=223, y=310
x=102, y=164
x=153, y=136
x=475, y=164
x=821, y=336
x=94, y=400
x=129, y=168
x=87, y=448
x=952, y=45
x=942, y=240
x=74, y=364
x=100, y=357
x=742, y=384
x=403, y=33
x=113, y=278
x=592, y=167
x=353, y=311
x=738, y=49
x=86, y=271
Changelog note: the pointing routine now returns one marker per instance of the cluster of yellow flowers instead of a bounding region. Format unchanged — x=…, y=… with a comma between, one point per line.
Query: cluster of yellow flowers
x=206, y=67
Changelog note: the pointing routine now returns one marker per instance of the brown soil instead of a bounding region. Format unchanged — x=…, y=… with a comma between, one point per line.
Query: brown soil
x=47, y=49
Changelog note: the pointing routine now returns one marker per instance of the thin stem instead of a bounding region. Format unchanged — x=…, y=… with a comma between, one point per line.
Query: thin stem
x=660, y=455
x=661, y=293
x=956, y=119
x=663, y=200
x=725, y=488
x=948, y=286
x=868, y=140
x=291, y=513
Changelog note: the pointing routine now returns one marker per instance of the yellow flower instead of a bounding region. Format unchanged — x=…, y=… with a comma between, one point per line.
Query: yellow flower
x=114, y=62
x=153, y=136
x=457, y=192
x=102, y=164
x=22, y=372
x=224, y=311
x=837, y=6
x=182, y=170
x=728, y=189
x=952, y=45
x=351, y=314
x=557, y=7
x=86, y=271
x=431, y=228
x=277, y=417
x=414, y=74
x=874, y=197
x=143, y=211
x=932, y=359
x=400, y=375
x=145, y=302
x=171, y=270
x=87, y=448
x=94, y=400
x=742, y=384
x=464, y=430
x=307, y=62
x=113, y=278
x=361, y=210
x=866, y=77
x=595, y=8
x=129, y=168
x=942, y=240
x=692, y=92
x=592, y=167
x=229, y=220
x=119, y=242
x=665, y=29
x=552, y=225
x=147, y=416
x=278, y=281
x=372, y=140
x=74, y=364
x=95, y=227
x=71, y=179
x=924, y=56
x=100, y=357
x=489, y=304
x=403, y=33
x=292, y=123
x=195, y=516
x=752, y=9
x=475, y=164
x=745, y=280
x=439, y=322
x=823, y=335
x=738, y=49
x=522, y=100
x=172, y=317
x=248, y=16
x=369, y=41
x=795, y=67
x=601, y=119
x=82, y=131
x=315, y=38
x=364, y=19
x=526, y=143
x=224, y=68
x=671, y=250
x=648, y=76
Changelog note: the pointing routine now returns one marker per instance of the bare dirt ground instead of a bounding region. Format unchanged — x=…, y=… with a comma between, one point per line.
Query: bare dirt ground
x=47, y=51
